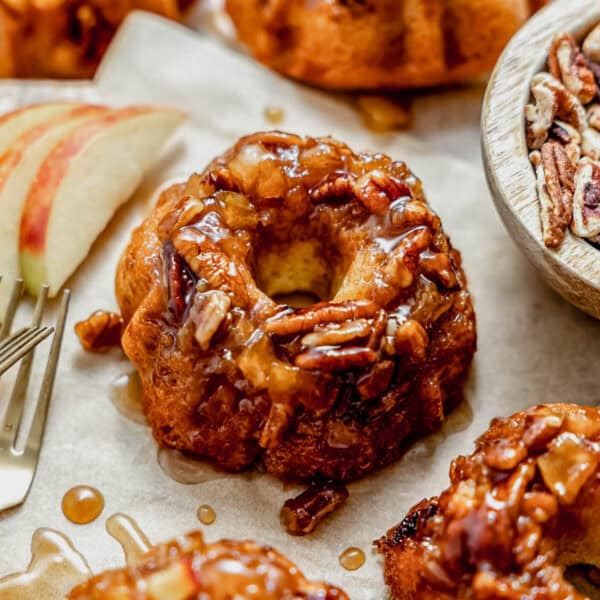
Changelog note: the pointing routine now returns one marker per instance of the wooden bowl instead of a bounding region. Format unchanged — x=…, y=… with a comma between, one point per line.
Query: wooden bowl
x=574, y=269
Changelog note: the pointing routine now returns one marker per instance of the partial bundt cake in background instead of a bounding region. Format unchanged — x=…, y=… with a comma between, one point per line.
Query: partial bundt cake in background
x=518, y=510
x=188, y=568
x=232, y=374
x=66, y=38
x=379, y=44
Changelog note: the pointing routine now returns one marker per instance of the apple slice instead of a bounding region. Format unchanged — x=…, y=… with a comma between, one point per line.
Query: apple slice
x=17, y=122
x=80, y=185
x=18, y=168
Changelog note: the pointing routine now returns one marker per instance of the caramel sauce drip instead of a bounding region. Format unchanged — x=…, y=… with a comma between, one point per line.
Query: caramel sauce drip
x=126, y=396
x=82, y=504
x=55, y=567
x=184, y=469
x=206, y=514
x=274, y=115
x=352, y=559
x=127, y=532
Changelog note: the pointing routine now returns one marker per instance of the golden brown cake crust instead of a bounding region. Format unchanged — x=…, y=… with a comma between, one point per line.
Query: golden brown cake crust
x=518, y=509
x=188, y=568
x=334, y=390
x=372, y=44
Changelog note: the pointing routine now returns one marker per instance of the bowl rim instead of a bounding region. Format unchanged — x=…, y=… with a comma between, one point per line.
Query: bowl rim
x=505, y=154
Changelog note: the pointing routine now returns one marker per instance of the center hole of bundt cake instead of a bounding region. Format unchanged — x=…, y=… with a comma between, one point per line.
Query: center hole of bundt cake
x=298, y=272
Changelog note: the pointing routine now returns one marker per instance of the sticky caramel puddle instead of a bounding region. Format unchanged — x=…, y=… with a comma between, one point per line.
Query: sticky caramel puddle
x=55, y=568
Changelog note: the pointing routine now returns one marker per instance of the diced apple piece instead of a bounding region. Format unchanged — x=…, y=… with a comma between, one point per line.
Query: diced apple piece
x=80, y=185
x=18, y=168
x=17, y=122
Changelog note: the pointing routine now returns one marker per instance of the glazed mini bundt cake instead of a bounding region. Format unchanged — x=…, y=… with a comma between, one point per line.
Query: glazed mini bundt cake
x=188, y=568
x=518, y=509
x=333, y=390
x=372, y=44
x=66, y=38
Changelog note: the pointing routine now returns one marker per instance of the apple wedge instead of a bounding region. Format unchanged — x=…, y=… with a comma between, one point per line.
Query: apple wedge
x=18, y=168
x=17, y=122
x=80, y=185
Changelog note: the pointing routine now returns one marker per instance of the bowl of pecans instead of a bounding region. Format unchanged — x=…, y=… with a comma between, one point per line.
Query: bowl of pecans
x=541, y=146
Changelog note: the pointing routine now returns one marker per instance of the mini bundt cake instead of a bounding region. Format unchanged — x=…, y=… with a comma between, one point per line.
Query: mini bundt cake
x=332, y=390
x=518, y=510
x=188, y=568
x=66, y=38
x=371, y=44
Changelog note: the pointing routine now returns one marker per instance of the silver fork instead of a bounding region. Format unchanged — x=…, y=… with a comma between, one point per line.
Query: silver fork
x=18, y=466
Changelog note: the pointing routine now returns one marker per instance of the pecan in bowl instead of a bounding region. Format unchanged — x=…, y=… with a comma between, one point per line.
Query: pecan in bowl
x=330, y=391
x=563, y=135
x=518, y=510
x=541, y=142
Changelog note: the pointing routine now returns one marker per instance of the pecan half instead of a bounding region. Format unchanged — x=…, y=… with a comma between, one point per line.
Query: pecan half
x=331, y=358
x=411, y=340
x=303, y=320
x=334, y=334
x=337, y=186
x=555, y=189
x=552, y=99
x=590, y=144
x=376, y=190
x=569, y=137
x=586, y=200
x=591, y=44
x=593, y=116
x=302, y=514
x=208, y=311
x=100, y=331
x=567, y=63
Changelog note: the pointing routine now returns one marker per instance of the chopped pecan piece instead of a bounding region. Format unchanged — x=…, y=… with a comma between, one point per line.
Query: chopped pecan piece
x=567, y=63
x=331, y=358
x=302, y=514
x=591, y=44
x=586, y=200
x=207, y=313
x=504, y=455
x=555, y=188
x=303, y=320
x=100, y=331
x=552, y=99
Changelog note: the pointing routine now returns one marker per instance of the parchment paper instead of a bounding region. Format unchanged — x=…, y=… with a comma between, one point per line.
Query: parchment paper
x=533, y=346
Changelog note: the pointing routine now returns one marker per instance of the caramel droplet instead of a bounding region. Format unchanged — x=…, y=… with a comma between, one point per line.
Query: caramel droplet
x=82, y=504
x=206, y=514
x=127, y=532
x=274, y=115
x=352, y=559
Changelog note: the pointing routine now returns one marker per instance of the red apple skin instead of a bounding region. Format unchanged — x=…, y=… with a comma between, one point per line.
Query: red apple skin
x=38, y=204
x=12, y=157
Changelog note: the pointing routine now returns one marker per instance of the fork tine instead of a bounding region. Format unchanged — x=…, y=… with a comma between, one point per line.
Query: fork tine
x=24, y=345
x=12, y=338
x=11, y=309
x=12, y=417
x=36, y=433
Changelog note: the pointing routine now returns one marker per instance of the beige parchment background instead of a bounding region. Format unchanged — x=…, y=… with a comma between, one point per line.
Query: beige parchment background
x=533, y=347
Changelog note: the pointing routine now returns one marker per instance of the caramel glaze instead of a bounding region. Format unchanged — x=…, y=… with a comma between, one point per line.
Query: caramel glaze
x=189, y=568
x=518, y=509
x=333, y=390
